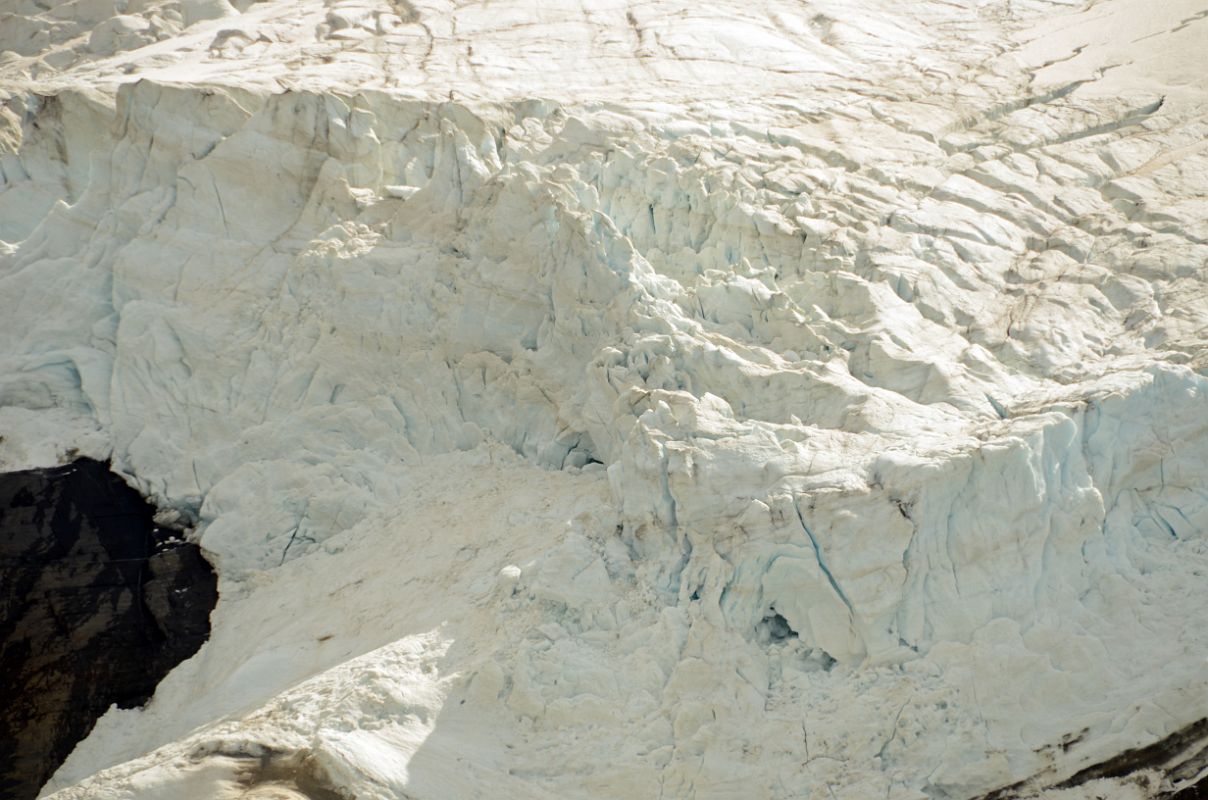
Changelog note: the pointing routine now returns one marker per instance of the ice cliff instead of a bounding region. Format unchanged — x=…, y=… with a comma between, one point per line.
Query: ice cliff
x=724, y=400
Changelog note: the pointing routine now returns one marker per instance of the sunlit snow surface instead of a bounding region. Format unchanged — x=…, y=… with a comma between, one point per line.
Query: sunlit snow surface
x=724, y=400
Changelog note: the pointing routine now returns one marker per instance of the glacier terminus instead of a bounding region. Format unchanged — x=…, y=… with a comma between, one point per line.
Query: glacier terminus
x=613, y=399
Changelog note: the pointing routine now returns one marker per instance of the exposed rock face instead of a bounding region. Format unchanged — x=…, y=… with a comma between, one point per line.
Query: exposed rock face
x=97, y=603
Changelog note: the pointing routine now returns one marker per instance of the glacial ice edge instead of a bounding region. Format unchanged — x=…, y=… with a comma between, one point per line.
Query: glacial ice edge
x=849, y=445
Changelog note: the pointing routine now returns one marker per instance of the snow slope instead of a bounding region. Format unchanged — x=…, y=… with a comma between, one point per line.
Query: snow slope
x=677, y=400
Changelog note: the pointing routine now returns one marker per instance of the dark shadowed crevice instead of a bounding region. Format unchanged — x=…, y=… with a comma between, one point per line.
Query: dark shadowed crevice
x=774, y=627
x=1197, y=791
x=97, y=604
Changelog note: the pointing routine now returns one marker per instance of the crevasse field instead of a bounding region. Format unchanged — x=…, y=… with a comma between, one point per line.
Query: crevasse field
x=753, y=400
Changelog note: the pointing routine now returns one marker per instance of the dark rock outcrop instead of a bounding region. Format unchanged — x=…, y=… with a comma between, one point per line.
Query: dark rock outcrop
x=97, y=604
x=1172, y=768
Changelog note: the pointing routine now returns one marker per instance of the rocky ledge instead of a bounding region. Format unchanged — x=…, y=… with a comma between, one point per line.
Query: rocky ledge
x=97, y=604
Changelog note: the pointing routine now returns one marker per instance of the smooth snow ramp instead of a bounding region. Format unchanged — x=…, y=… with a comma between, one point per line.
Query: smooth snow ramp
x=801, y=400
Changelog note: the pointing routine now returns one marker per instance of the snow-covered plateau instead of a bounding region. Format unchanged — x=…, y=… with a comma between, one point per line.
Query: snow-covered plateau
x=665, y=399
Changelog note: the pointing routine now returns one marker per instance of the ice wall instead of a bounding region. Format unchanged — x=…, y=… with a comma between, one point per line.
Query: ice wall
x=849, y=445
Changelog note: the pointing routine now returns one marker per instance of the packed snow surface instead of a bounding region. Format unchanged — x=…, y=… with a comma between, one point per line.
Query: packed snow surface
x=630, y=400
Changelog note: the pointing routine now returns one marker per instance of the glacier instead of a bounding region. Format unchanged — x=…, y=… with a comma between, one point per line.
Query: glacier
x=671, y=400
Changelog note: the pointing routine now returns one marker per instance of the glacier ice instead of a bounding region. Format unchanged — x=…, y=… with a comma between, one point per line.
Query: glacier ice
x=630, y=400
